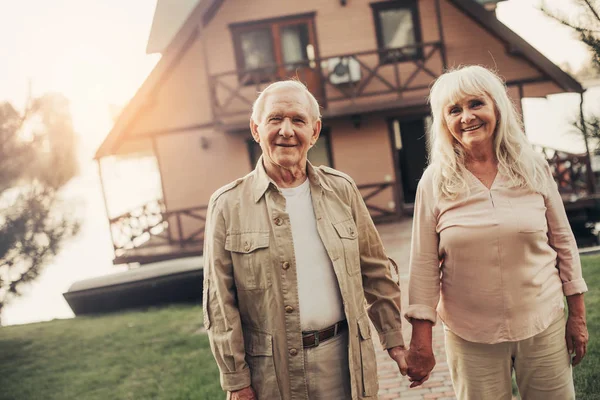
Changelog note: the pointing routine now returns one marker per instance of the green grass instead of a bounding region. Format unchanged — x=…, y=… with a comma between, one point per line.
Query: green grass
x=157, y=354
x=163, y=354
x=587, y=374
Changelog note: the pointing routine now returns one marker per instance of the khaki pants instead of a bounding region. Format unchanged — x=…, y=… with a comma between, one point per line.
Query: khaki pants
x=541, y=363
x=327, y=369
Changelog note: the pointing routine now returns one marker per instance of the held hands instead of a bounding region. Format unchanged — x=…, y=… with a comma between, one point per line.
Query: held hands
x=577, y=337
x=420, y=364
x=246, y=393
x=399, y=354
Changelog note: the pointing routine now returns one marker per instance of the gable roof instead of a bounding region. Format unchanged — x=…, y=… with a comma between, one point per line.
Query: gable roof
x=517, y=45
x=206, y=9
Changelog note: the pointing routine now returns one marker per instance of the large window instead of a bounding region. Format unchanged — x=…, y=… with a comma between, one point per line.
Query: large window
x=319, y=154
x=397, y=26
x=274, y=49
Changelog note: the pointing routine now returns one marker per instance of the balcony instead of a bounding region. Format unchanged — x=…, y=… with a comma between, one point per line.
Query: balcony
x=344, y=84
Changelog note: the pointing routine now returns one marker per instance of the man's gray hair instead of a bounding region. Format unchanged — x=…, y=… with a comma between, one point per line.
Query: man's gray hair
x=259, y=104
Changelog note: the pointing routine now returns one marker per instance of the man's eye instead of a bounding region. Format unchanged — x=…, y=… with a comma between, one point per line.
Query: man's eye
x=298, y=121
x=274, y=119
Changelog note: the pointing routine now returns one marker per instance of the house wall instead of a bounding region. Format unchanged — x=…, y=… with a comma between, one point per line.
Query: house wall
x=182, y=98
x=190, y=173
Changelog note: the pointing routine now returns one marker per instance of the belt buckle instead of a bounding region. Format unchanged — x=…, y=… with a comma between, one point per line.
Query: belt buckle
x=316, y=336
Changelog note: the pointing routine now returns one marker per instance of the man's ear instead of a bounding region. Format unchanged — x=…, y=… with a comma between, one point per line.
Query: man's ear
x=254, y=131
x=316, y=132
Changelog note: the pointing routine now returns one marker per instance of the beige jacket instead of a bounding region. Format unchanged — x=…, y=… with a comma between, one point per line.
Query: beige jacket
x=250, y=297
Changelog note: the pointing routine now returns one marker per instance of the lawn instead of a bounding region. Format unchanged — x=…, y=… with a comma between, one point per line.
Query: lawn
x=157, y=354
x=587, y=374
x=164, y=354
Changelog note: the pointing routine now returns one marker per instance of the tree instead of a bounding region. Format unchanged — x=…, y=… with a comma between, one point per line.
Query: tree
x=37, y=158
x=586, y=22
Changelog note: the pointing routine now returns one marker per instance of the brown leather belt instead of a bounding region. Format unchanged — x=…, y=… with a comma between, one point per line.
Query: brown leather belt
x=314, y=338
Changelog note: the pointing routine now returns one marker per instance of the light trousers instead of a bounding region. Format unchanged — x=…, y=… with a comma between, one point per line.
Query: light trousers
x=541, y=363
x=327, y=369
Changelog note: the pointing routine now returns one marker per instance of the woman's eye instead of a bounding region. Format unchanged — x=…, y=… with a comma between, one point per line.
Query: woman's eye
x=476, y=103
x=454, y=111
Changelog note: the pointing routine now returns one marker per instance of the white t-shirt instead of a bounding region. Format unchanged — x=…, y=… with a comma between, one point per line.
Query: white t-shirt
x=318, y=289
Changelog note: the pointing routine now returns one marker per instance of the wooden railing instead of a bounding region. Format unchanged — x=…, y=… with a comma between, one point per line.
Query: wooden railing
x=340, y=79
x=378, y=212
x=151, y=226
x=570, y=172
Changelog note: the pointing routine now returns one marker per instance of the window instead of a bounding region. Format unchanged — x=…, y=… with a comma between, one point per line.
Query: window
x=397, y=26
x=319, y=154
x=274, y=49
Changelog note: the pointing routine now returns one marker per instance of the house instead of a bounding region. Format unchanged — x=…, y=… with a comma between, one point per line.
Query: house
x=370, y=64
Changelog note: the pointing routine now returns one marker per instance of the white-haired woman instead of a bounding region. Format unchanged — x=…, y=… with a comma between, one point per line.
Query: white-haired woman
x=492, y=252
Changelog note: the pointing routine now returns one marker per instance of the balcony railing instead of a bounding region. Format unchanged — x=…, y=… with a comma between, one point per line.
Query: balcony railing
x=151, y=226
x=336, y=81
x=570, y=172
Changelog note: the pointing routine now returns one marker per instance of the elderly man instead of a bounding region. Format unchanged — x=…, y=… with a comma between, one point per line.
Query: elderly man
x=290, y=256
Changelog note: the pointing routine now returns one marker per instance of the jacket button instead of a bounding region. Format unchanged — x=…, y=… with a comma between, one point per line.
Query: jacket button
x=247, y=246
x=289, y=309
x=352, y=232
x=285, y=265
x=278, y=221
x=293, y=352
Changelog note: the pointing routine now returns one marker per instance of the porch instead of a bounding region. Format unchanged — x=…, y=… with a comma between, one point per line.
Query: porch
x=151, y=233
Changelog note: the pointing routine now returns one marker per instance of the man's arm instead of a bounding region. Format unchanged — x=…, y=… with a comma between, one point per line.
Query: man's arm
x=381, y=291
x=221, y=314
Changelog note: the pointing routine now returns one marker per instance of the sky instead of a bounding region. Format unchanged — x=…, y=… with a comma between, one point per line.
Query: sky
x=93, y=52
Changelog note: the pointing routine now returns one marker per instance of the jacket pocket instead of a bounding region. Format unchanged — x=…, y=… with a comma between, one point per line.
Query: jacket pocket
x=251, y=259
x=259, y=357
x=348, y=234
x=367, y=358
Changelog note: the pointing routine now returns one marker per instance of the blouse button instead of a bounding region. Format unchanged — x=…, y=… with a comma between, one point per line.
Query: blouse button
x=289, y=309
x=293, y=352
x=278, y=221
x=285, y=265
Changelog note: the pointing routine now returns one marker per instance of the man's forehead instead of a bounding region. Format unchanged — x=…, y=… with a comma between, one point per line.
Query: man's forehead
x=286, y=98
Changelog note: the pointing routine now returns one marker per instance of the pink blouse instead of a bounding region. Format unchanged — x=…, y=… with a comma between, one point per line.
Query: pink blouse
x=494, y=263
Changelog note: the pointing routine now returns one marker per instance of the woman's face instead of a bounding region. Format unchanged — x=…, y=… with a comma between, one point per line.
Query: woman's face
x=472, y=121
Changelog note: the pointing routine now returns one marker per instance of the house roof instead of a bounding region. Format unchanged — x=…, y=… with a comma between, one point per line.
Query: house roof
x=169, y=16
x=517, y=45
x=205, y=10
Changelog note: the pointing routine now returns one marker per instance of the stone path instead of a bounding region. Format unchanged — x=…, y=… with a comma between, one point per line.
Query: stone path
x=392, y=385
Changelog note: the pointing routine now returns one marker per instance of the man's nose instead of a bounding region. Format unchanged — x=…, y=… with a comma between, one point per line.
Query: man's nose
x=286, y=129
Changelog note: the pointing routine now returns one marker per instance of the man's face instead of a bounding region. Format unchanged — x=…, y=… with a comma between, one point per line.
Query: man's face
x=286, y=130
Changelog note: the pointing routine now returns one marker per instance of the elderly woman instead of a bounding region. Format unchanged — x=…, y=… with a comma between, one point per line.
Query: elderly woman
x=492, y=252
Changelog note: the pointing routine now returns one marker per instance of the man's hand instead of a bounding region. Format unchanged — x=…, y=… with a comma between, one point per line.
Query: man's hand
x=246, y=393
x=420, y=364
x=577, y=337
x=398, y=354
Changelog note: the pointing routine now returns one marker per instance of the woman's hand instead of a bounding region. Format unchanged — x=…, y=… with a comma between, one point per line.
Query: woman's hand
x=576, y=333
x=420, y=364
x=577, y=337
x=420, y=358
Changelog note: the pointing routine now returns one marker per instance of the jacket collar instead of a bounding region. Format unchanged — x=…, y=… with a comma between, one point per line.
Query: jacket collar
x=263, y=181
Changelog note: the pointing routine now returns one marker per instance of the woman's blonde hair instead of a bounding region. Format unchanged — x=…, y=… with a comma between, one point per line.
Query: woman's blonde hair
x=516, y=157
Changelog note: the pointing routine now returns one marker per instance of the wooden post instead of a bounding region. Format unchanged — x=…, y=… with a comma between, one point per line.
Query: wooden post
x=438, y=13
x=106, y=204
x=590, y=173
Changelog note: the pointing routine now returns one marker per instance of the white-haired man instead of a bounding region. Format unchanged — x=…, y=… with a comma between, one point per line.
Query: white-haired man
x=290, y=256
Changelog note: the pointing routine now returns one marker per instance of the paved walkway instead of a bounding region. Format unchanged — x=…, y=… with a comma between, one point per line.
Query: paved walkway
x=392, y=385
